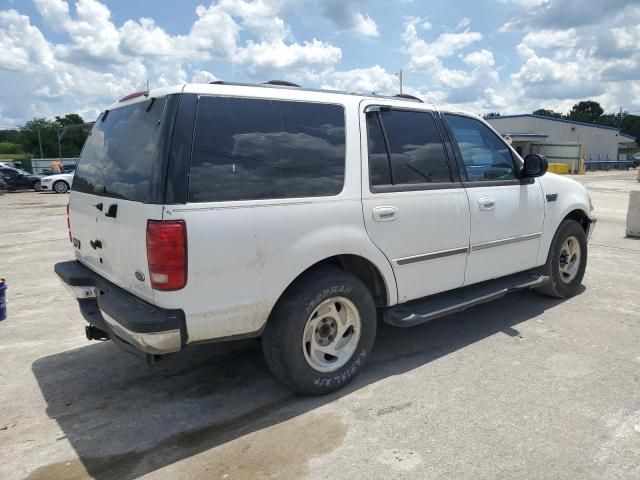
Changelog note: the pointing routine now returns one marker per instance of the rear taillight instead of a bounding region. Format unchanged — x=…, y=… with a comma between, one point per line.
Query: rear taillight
x=69, y=224
x=167, y=254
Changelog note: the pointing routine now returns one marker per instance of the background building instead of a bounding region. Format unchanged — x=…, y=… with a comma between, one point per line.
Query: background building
x=561, y=141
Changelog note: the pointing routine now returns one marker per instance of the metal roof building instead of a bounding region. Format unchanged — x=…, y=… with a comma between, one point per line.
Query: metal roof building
x=561, y=141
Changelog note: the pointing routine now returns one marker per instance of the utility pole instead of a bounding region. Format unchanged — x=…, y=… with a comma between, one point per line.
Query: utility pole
x=40, y=144
x=400, y=76
x=620, y=118
x=59, y=147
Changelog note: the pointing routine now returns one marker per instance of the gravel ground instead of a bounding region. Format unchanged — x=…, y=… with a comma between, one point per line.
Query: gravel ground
x=525, y=387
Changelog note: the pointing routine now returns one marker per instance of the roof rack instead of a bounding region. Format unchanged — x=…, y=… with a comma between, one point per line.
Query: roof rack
x=408, y=97
x=282, y=83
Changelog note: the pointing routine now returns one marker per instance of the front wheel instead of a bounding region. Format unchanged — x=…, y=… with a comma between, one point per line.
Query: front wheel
x=567, y=261
x=60, y=187
x=321, y=332
x=36, y=186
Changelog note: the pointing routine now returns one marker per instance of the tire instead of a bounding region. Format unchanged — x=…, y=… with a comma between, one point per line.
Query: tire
x=565, y=276
x=36, y=186
x=60, y=187
x=304, y=324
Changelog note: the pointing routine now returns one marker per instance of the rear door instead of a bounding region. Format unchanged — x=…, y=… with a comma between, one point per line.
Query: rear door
x=415, y=208
x=506, y=213
x=117, y=187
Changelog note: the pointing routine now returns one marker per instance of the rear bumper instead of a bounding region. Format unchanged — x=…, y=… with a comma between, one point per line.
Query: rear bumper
x=124, y=317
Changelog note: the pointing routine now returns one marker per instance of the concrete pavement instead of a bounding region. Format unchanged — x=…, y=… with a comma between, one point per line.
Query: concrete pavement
x=525, y=387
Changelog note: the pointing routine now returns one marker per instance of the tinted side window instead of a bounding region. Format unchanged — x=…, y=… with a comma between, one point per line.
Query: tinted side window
x=379, y=168
x=485, y=156
x=250, y=149
x=416, y=151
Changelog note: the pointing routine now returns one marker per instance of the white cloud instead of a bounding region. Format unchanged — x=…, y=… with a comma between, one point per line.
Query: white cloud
x=203, y=76
x=365, y=80
x=464, y=23
x=365, y=26
x=343, y=14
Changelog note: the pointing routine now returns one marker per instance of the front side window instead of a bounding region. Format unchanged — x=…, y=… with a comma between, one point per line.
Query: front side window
x=405, y=148
x=486, y=157
x=252, y=149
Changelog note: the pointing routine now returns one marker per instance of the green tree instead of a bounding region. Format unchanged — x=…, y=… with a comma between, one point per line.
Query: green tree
x=491, y=115
x=8, y=147
x=9, y=136
x=72, y=139
x=28, y=137
x=71, y=142
x=587, y=111
x=547, y=113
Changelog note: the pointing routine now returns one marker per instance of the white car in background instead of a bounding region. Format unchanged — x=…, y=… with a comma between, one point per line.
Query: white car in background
x=59, y=183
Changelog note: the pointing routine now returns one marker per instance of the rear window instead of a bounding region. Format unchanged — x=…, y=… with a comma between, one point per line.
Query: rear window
x=120, y=157
x=250, y=149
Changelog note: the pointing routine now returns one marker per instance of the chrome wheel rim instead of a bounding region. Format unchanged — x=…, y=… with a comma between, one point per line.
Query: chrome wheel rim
x=36, y=186
x=569, y=263
x=331, y=334
x=60, y=187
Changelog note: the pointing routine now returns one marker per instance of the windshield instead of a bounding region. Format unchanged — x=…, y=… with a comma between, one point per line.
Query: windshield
x=120, y=158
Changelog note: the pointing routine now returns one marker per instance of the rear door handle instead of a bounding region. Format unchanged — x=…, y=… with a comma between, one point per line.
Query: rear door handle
x=384, y=213
x=487, y=203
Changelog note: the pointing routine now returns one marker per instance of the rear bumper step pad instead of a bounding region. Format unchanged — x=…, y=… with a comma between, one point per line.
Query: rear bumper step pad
x=148, y=328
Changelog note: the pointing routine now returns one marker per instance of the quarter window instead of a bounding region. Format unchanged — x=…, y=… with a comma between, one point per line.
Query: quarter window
x=411, y=145
x=250, y=149
x=485, y=156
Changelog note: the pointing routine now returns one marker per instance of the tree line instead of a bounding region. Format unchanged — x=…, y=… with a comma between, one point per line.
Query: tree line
x=591, y=112
x=28, y=138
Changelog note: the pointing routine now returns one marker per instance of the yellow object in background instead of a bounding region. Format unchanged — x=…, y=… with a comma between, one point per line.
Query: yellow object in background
x=561, y=168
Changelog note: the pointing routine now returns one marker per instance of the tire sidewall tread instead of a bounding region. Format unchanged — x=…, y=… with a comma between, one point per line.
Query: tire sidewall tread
x=282, y=339
x=556, y=287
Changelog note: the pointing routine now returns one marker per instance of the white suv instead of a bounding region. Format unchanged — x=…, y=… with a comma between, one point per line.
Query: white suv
x=202, y=213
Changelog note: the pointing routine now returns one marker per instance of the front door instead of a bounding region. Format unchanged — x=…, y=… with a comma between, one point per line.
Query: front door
x=506, y=213
x=415, y=208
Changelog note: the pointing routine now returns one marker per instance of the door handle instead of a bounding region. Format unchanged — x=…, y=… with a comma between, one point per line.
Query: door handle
x=487, y=203
x=384, y=213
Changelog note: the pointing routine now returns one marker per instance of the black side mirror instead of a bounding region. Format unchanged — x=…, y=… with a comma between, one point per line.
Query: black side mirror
x=535, y=165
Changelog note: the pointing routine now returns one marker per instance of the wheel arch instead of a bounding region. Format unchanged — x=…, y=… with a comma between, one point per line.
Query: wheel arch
x=580, y=216
x=362, y=268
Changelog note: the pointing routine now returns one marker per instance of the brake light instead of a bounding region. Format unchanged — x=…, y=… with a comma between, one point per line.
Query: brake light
x=134, y=95
x=69, y=224
x=167, y=254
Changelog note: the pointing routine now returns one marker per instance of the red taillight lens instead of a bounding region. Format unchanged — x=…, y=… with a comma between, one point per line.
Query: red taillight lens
x=167, y=254
x=69, y=225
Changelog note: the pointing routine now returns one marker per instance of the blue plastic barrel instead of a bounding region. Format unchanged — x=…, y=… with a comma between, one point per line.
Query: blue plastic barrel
x=3, y=299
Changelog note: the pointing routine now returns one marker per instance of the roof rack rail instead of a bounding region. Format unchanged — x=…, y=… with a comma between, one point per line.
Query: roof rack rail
x=408, y=97
x=282, y=83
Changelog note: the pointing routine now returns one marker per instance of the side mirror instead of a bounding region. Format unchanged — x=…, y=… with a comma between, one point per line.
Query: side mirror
x=535, y=165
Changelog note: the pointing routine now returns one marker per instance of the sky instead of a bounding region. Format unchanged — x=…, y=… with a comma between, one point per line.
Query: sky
x=509, y=56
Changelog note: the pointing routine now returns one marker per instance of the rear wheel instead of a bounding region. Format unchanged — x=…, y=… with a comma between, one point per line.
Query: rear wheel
x=321, y=332
x=567, y=261
x=60, y=186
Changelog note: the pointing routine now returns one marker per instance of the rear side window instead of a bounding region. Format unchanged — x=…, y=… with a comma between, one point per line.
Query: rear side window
x=120, y=159
x=414, y=151
x=485, y=156
x=251, y=149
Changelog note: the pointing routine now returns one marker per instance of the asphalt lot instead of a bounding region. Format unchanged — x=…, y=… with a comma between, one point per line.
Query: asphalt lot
x=525, y=387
